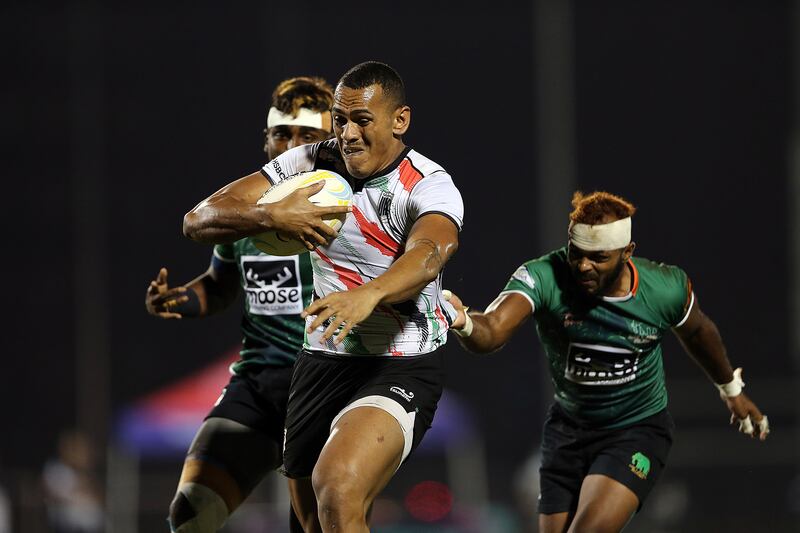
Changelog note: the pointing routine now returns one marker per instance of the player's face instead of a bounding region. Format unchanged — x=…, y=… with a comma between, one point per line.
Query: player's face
x=368, y=127
x=281, y=138
x=596, y=273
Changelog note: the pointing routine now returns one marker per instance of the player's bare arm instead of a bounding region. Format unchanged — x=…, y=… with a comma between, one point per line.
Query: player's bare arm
x=232, y=213
x=702, y=340
x=209, y=293
x=432, y=241
x=492, y=328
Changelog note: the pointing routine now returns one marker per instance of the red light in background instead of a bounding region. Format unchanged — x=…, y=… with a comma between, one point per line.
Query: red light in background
x=429, y=501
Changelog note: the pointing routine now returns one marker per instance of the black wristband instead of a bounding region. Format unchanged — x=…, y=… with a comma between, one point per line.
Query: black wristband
x=191, y=307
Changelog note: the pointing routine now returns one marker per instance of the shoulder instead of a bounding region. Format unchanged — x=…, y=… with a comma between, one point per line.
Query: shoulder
x=422, y=164
x=301, y=159
x=538, y=279
x=658, y=272
x=238, y=248
x=665, y=288
x=534, y=272
x=416, y=169
x=549, y=264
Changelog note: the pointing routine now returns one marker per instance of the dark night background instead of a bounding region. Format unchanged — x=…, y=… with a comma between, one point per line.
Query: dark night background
x=118, y=118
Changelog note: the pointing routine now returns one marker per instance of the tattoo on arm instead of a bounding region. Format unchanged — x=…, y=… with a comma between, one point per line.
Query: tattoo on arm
x=434, y=259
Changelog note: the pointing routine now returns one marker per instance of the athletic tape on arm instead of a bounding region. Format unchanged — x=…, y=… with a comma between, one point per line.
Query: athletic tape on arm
x=209, y=508
x=466, y=329
x=733, y=387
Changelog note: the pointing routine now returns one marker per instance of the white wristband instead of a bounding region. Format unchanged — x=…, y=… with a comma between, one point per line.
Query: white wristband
x=732, y=388
x=465, y=331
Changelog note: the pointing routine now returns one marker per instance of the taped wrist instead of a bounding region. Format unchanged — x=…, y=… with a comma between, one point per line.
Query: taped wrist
x=189, y=308
x=465, y=331
x=733, y=387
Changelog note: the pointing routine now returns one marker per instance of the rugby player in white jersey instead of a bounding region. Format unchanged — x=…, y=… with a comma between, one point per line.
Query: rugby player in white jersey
x=241, y=439
x=366, y=385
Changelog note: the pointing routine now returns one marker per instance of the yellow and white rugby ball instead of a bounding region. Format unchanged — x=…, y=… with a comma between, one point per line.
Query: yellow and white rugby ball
x=335, y=192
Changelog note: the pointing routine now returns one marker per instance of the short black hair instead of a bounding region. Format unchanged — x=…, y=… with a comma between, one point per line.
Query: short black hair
x=372, y=73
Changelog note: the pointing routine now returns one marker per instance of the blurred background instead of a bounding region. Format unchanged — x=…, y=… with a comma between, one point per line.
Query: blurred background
x=119, y=117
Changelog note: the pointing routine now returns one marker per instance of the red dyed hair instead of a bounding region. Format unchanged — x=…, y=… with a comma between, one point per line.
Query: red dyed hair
x=599, y=207
x=313, y=93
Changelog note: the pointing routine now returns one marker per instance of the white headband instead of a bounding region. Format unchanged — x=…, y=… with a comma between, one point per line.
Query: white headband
x=306, y=117
x=601, y=237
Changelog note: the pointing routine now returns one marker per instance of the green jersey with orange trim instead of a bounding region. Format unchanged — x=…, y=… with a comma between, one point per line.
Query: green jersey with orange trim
x=276, y=290
x=605, y=353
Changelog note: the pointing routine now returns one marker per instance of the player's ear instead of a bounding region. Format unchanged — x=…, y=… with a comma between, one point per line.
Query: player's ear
x=401, y=120
x=628, y=251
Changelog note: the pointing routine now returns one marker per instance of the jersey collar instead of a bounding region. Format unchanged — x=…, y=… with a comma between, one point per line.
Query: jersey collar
x=388, y=169
x=633, y=290
x=359, y=183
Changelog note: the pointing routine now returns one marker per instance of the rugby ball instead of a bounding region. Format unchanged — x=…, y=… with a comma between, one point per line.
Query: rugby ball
x=335, y=192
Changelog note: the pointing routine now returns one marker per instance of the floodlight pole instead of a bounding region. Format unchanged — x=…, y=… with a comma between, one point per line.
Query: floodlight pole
x=90, y=250
x=794, y=204
x=556, y=151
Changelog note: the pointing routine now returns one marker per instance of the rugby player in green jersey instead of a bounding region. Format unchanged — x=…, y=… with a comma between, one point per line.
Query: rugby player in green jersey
x=241, y=438
x=601, y=315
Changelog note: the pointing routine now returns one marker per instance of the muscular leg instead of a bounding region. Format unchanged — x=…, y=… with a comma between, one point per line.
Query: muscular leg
x=304, y=504
x=295, y=526
x=554, y=523
x=225, y=462
x=360, y=457
x=304, y=499
x=604, y=506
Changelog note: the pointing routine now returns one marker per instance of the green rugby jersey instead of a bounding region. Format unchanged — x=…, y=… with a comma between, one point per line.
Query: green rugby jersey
x=276, y=290
x=605, y=353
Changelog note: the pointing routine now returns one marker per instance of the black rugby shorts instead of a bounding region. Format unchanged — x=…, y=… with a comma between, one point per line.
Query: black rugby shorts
x=634, y=456
x=324, y=384
x=257, y=398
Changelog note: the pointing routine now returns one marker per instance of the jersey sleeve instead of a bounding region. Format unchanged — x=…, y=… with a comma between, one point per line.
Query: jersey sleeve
x=289, y=163
x=676, y=298
x=526, y=281
x=437, y=193
x=223, y=257
x=225, y=252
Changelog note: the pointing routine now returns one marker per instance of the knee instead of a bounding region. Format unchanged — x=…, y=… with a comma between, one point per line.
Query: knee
x=340, y=498
x=196, y=509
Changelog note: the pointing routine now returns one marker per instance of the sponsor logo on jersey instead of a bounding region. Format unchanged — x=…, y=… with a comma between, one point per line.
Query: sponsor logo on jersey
x=272, y=285
x=402, y=392
x=278, y=170
x=642, y=333
x=640, y=465
x=595, y=364
x=524, y=276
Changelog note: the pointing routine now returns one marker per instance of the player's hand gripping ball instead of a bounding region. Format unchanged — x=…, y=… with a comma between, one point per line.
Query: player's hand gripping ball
x=336, y=192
